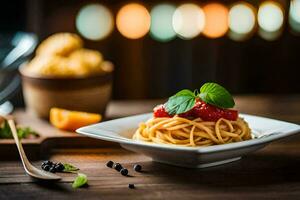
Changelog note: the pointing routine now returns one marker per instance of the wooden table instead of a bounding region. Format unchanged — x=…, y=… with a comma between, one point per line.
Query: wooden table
x=269, y=173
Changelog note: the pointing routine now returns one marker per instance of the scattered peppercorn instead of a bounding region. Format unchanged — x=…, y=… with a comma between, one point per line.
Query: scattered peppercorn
x=52, y=169
x=124, y=172
x=131, y=186
x=59, y=167
x=47, y=162
x=110, y=164
x=46, y=167
x=137, y=168
x=117, y=166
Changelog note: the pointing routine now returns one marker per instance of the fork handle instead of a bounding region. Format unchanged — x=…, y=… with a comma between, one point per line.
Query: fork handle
x=21, y=151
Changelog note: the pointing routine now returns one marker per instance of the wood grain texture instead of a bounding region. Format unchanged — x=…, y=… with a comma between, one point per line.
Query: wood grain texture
x=271, y=173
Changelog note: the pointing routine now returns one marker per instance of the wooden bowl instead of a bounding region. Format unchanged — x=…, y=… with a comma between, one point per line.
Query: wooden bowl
x=88, y=94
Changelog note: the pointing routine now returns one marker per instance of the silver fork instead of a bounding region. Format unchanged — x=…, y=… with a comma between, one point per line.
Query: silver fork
x=29, y=168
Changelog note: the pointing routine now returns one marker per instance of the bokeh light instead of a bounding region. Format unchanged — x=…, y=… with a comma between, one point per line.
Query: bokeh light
x=133, y=21
x=294, y=15
x=188, y=20
x=270, y=16
x=241, y=21
x=161, y=22
x=216, y=23
x=94, y=21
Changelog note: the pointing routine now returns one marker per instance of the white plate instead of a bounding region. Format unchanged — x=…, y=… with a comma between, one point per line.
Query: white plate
x=121, y=130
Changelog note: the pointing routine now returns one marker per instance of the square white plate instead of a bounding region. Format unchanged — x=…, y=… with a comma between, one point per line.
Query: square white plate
x=121, y=130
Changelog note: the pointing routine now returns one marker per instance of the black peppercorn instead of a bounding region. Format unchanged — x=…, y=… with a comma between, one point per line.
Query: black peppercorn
x=110, y=164
x=124, y=172
x=52, y=169
x=117, y=166
x=137, y=168
x=46, y=167
x=47, y=162
x=59, y=167
x=131, y=186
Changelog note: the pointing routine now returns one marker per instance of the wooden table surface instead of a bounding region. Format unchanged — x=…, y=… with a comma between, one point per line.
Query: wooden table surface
x=270, y=173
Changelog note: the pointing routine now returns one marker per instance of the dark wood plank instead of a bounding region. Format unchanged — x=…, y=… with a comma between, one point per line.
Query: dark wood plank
x=270, y=173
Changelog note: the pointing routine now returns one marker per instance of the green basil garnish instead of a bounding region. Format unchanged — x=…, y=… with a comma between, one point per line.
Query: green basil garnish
x=211, y=93
x=215, y=94
x=181, y=102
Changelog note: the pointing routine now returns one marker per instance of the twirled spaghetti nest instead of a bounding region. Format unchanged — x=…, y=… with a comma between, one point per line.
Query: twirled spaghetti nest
x=196, y=132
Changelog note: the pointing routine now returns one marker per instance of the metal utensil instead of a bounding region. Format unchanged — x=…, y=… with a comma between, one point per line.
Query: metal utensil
x=25, y=44
x=9, y=89
x=29, y=168
x=6, y=108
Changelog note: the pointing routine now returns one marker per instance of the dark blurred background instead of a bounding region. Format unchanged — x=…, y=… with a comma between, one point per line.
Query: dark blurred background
x=148, y=68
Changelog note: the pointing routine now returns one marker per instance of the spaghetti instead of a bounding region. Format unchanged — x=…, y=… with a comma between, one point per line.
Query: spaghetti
x=185, y=132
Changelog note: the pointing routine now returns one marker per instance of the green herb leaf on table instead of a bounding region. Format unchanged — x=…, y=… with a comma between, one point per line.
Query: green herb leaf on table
x=80, y=180
x=23, y=132
x=215, y=94
x=181, y=102
x=5, y=130
x=69, y=168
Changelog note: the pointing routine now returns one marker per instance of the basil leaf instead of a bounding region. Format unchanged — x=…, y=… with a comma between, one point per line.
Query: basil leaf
x=69, y=168
x=181, y=102
x=80, y=180
x=215, y=94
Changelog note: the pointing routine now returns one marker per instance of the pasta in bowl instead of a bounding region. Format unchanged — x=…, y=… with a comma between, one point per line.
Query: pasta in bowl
x=193, y=129
x=122, y=130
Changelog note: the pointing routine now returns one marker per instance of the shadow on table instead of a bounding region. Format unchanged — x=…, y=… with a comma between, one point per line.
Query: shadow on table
x=53, y=186
x=252, y=170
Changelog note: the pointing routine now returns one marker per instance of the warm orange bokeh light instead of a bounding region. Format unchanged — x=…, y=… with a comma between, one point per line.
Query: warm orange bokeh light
x=133, y=21
x=216, y=20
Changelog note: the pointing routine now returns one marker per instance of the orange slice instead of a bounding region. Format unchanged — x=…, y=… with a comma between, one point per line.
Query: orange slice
x=72, y=120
